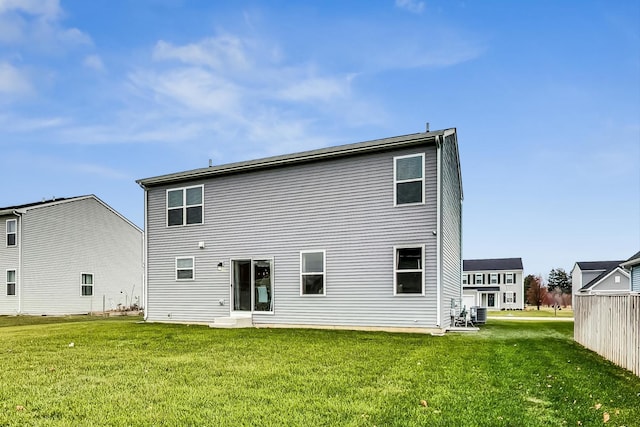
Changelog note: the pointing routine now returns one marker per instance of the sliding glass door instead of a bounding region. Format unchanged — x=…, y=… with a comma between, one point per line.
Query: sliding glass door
x=252, y=285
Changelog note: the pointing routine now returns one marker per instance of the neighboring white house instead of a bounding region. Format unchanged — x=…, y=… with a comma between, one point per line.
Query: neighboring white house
x=69, y=256
x=497, y=284
x=365, y=235
x=633, y=265
x=589, y=277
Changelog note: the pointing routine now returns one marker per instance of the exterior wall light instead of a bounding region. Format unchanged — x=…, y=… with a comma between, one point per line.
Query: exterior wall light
x=219, y=266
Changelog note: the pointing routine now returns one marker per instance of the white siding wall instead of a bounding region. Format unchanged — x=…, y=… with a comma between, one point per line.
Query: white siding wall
x=9, y=258
x=576, y=279
x=60, y=242
x=343, y=206
x=451, y=218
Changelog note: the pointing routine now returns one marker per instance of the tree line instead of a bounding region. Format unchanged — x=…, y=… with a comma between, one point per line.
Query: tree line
x=556, y=292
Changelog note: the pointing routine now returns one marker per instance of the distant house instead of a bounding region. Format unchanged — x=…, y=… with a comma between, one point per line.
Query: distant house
x=366, y=235
x=69, y=256
x=633, y=265
x=589, y=277
x=497, y=284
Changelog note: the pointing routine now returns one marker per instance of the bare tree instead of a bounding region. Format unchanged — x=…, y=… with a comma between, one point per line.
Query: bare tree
x=537, y=292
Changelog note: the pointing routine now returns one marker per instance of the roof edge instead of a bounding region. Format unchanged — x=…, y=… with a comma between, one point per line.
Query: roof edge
x=296, y=158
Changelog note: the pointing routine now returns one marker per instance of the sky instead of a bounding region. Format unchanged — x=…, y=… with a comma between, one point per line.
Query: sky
x=545, y=96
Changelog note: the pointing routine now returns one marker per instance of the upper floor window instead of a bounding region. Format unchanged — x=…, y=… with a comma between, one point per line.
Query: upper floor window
x=493, y=278
x=312, y=273
x=86, y=284
x=465, y=279
x=509, y=278
x=408, y=172
x=11, y=282
x=409, y=270
x=479, y=280
x=185, y=206
x=12, y=232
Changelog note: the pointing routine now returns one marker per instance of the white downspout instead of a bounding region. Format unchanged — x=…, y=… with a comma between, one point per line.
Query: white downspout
x=19, y=272
x=438, y=231
x=145, y=274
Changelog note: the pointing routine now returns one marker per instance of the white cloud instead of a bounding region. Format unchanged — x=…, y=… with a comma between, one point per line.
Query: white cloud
x=94, y=62
x=12, y=123
x=412, y=6
x=214, y=52
x=97, y=170
x=37, y=25
x=196, y=89
x=315, y=88
x=13, y=81
x=47, y=9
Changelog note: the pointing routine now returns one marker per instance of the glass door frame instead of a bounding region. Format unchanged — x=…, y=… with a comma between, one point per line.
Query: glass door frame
x=252, y=261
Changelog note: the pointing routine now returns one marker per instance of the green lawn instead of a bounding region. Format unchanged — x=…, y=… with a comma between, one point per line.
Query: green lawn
x=532, y=312
x=120, y=372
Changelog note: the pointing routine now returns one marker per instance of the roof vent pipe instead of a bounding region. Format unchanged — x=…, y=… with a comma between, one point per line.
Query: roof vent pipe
x=210, y=163
x=427, y=127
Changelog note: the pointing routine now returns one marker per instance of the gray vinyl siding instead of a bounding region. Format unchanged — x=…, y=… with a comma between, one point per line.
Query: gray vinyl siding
x=62, y=241
x=635, y=278
x=9, y=259
x=344, y=206
x=609, y=284
x=451, y=229
x=588, y=276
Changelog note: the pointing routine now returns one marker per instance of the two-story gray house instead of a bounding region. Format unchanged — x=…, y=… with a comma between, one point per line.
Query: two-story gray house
x=495, y=283
x=366, y=235
x=68, y=256
x=594, y=277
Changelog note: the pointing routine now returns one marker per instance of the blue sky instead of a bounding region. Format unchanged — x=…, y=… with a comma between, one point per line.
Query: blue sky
x=545, y=96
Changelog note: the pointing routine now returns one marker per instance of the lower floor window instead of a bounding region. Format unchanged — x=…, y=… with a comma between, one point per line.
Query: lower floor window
x=312, y=273
x=11, y=282
x=409, y=270
x=509, y=297
x=86, y=284
x=184, y=268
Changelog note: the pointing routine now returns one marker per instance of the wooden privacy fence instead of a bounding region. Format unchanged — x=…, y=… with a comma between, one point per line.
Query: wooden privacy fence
x=610, y=326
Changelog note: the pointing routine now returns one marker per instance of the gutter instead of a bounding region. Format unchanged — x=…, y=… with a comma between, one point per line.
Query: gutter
x=145, y=273
x=19, y=214
x=438, y=230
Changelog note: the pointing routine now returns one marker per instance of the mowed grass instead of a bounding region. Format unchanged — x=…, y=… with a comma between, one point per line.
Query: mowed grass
x=124, y=373
x=532, y=312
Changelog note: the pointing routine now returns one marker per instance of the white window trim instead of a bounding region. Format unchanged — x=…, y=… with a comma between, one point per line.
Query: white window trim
x=6, y=241
x=481, y=278
x=491, y=276
x=509, y=275
x=395, y=270
x=193, y=268
x=324, y=273
x=184, y=206
x=15, y=282
x=93, y=282
x=465, y=277
x=396, y=181
x=509, y=295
